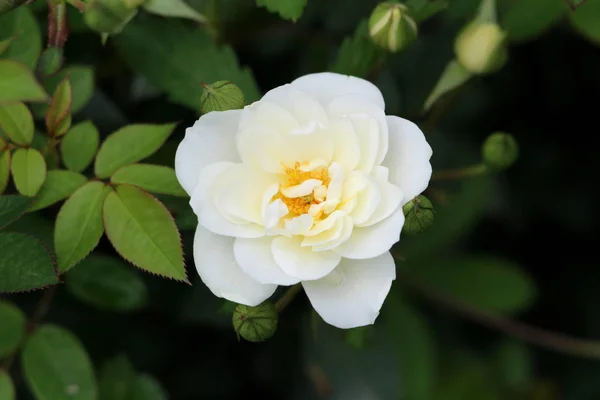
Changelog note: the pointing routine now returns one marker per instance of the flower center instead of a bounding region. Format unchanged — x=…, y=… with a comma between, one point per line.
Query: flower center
x=303, y=187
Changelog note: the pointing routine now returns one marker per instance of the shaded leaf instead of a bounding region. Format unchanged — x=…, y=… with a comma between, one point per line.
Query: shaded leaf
x=17, y=123
x=17, y=83
x=173, y=8
x=117, y=378
x=514, y=361
x=146, y=387
x=153, y=178
x=25, y=263
x=4, y=170
x=12, y=328
x=79, y=224
x=358, y=54
x=21, y=25
x=129, y=145
x=58, y=186
x=143, y=232
x=7, y=389
x=4, y=44
x=525, y=20
x=287, y=9
x=79, y=146
x=57, y=367
x=585, y=20
x=28, y=169
x=108, y=284
x=11, y=208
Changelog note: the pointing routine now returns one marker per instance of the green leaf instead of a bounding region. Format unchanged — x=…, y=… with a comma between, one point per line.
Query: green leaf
x=4, y=169
x=7, y=389
x=358, y=54
x=585, y=20
x=514, y=361
x=21, y=25
x=526, y=20
x=11, y=208
x=454, y=75
x=287, y=9
x=25, y=264
x=359, y=337
x=17, y=83
x=57, y=367
x=58, y=186
x=143, y=232
x=108, y=284
x=12, y=329
x=147, y=388
x=4, y=44
x=28, y=169
x=153, y=178
x=117, y=378
x=129, y=145
x=174, y=8
x=82, y=88
x=79, y=146
x=483, y=282
x=17, y=123
x=79, y=224
x=415, y=346
x=162, y=49
x=59, y=106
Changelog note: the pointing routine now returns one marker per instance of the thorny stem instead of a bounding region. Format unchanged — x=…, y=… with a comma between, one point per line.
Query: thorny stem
x=474, y=170
x=287, y=297
x=527, y=333
x=40, y=312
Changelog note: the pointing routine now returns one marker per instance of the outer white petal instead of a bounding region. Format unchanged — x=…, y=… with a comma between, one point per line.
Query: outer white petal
x=268, y=116
x=209, y=140
x=255, y=258
x=353, y=293
x=301, y=262
x=305, y=109
x=326, y=86
x=218, y=269
x=373, y=240
x=408, y=158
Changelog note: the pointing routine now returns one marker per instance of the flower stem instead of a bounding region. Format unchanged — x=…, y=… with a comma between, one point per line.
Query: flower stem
x=527, y=333
x=287, y=297
x=474, y=170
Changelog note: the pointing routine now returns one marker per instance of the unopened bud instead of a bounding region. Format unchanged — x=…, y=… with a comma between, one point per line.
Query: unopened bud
x=419, y=215
x=255, y=324
x=500, y=151
x=50, y=61
x=391, y=26
x=108, y=16
x=221, y=96
x=481, y=48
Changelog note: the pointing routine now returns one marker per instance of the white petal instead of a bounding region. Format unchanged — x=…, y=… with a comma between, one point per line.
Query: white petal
x=326, y=86
x=303, y=189
x=352, y=295
x=270, y=116
x=209, y=140
x=306, y=110
x=218, y=269
x=301, y=262
x=373, y=240
x=344, y=233
x=326, y=223
x=299, y=225
x=255, y=258
x=367, y=202
x=408, y=158
x=274, y=212
x=391, y=197
x=347, y=150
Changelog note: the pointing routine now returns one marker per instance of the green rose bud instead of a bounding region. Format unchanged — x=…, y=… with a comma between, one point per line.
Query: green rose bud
x=108, y=16
x=391, y=27
x=255, y=324
x=500, y=151
x=50, y=61
x=481, y=48
x=419, y=215
x=221, y=96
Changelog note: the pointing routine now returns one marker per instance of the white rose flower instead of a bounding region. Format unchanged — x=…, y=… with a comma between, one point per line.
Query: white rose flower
x=306, y=185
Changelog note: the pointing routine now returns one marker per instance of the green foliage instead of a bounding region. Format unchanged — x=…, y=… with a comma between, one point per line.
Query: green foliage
x=26, y=46
x=129, y=145
x=117, y=378
x=143, y=232
x=25, y=263
x=358, y=55
x=525, y=20
x=11, y=208
x=12, y=329
x=79, y=146
x=59, y=107
x=7, y=389
x=17, y=83
x=514, y=362
x=454, y=76
x=79, y=224
x=17, y=123
x=28, y=169
x=287, y=9
x=359, y=337
x=162, y=50
x=153, y=178
x=4, y=169
x=81, y=79
x=58, y=186
x=221, y=96
x=57, y=367
x=255, y=324
x=146, y=387
x=585, y=20
x=108, y=284
x=173, y=8
x=4, y=44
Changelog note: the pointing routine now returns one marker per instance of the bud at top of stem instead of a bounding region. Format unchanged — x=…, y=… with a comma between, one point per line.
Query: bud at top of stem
x=255, y=324
x=221, y=96
x=391, y=26
x=419, y=215
x=500, y=150
x=481, y=47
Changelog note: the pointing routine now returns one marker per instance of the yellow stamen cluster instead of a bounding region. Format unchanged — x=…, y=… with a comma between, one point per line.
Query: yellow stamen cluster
x=295, y=176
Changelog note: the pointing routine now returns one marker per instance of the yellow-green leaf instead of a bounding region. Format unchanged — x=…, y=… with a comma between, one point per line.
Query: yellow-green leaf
x=17, y=83
x=173, y=8
x=58, y=186
x=7, y=389
x=58, y=110
x=21, y=25
x=79, y=146
x=153, y=178
x=4, y=44
x=28, y=169
x=16, y=122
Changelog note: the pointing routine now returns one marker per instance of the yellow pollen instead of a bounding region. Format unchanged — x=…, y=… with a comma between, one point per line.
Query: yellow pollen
x=295, y=176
